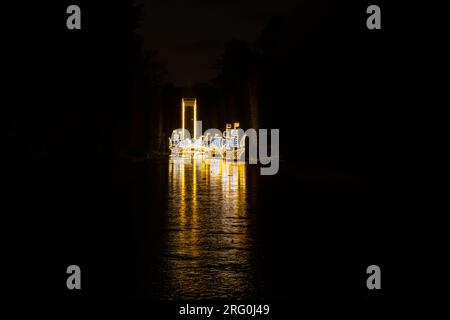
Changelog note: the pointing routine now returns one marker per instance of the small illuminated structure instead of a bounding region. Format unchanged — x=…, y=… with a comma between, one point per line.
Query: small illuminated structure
x=229, y=144
x=186, y=103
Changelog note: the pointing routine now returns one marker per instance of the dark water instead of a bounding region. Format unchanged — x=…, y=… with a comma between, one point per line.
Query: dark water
x=209, y=247
x=190, y=229
x=217, y=230
x=198, y=235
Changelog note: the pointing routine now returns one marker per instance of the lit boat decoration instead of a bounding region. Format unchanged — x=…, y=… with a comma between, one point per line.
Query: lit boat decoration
x=230, y=144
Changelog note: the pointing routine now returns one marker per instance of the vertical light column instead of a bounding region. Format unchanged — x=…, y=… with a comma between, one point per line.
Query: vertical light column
x=195, y=119
x=182, y=117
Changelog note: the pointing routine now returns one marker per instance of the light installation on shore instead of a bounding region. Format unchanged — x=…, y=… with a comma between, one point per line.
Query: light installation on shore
x=229, y=144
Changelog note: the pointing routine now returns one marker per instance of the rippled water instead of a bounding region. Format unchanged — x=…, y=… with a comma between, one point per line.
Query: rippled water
x=209, y=245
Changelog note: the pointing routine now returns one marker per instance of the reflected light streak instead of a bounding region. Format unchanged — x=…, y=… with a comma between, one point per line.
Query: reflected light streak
x=208, y=244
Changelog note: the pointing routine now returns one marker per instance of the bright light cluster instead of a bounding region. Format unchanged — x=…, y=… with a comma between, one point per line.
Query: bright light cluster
x=229, y=145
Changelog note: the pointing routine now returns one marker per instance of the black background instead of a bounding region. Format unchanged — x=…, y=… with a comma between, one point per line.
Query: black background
x=62, y=207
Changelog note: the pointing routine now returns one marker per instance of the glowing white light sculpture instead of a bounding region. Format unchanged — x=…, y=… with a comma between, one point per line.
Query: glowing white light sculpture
x=229, y=145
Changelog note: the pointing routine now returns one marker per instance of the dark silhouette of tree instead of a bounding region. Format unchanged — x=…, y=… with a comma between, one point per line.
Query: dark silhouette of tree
x=314, y=80
x=239, y=84
x=71, y=108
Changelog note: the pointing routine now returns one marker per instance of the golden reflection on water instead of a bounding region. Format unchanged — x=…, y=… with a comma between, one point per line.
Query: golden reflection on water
x=208, y=243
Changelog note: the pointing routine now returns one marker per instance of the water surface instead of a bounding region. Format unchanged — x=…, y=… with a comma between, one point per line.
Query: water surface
x=209, y=249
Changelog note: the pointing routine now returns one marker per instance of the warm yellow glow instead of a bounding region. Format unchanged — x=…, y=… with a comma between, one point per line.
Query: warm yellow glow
x=207, y=223
x=205, y=146
x=185, y=103
x=196, y=183
x=195, y=119
x=182, y=117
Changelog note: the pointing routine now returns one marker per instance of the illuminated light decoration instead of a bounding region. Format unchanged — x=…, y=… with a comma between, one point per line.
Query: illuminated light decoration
x=182, y=117
x=188, y=103
x=227, y=145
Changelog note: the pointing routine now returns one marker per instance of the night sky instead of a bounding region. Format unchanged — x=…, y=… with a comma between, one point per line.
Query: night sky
x=189, y=35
